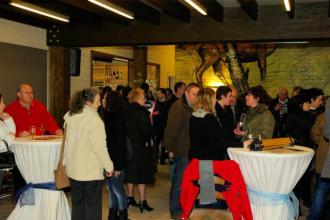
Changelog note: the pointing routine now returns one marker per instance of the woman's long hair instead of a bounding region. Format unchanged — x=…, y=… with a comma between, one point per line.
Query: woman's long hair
x=80, y=99
x=204, y=100
x=115, y=103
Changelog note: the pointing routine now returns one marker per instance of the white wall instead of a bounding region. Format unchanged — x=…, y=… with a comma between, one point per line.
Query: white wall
x=21, y=34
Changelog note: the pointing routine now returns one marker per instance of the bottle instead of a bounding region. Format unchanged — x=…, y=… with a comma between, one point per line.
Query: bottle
x=256, y=145
x=240, y=122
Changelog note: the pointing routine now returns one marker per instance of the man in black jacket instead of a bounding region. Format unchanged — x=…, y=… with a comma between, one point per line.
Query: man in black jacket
x=281, y=107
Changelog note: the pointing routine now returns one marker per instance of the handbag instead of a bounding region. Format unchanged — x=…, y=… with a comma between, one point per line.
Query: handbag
x=7, y=160
x=61, y=179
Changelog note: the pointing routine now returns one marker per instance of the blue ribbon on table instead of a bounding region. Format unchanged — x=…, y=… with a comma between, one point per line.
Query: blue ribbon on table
x=25, y=195
x=276, y=198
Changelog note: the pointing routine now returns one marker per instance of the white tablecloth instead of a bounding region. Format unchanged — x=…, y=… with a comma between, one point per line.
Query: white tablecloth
x=37, y=160
x=271, y=173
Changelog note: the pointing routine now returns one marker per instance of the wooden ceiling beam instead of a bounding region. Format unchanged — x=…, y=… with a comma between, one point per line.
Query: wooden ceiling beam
x=86, y=6
x=214, y=9
x=272, y=27
x=173, y=8
x=141, y=11
x=75, y=14
x=250, y=7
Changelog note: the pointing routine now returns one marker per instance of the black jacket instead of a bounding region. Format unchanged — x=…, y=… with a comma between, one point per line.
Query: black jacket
x=139, y=130
x=208, y=142
x=226, y=120
x=116, y=133
x=280, y=129
x=299, y=124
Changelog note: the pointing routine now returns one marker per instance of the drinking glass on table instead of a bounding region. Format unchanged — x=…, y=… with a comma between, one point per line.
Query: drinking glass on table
x=33, y=131
x=42, y=129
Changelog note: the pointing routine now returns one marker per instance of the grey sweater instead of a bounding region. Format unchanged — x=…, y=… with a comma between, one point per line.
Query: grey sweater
x=326, y=166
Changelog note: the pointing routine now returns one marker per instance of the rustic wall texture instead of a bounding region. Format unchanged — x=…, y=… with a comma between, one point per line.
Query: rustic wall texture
x=307, y=65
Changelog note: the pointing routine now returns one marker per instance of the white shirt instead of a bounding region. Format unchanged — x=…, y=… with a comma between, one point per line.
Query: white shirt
x=7, y=132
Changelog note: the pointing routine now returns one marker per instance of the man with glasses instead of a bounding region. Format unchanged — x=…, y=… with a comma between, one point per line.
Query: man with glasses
x=30, y=115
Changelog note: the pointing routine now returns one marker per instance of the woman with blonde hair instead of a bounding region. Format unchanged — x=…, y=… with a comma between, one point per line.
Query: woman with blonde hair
x=208, y=141
x=139, y=166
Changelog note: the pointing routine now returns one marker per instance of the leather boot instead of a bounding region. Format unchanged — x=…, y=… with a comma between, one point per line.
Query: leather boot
x=113, y=215
x=123, y=215
x=131, y=201
x=144, y=205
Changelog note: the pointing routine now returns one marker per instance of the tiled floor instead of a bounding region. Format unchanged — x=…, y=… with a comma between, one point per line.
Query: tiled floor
x=157, y=198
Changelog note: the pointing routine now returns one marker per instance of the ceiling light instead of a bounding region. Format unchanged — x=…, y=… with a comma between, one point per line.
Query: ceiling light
x=114, y=8
x=197, y=6
x=287, y=5
x=40, y=11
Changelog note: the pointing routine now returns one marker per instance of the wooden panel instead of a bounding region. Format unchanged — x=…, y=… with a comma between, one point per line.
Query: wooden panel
x=59, y=82
x=214, y=9
x=250, y=7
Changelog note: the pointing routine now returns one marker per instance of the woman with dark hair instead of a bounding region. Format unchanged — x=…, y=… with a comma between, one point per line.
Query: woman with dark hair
x=258, y=119
x=7, y=130
x=103, y=97
x=139, y=130
x=115, y=128
x=299, y=124
x=86, y=155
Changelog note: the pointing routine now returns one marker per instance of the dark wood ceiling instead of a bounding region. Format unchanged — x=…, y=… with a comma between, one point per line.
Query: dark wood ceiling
x=173, y=21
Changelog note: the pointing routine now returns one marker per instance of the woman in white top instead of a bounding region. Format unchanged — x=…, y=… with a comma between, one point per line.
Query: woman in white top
x=7, y=130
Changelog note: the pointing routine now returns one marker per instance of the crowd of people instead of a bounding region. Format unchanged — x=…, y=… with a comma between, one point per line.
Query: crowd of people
x=125, y=133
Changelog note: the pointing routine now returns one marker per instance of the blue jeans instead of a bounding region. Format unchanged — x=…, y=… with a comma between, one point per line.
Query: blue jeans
x=178, y=169
x=117, y=195
x=321, y=194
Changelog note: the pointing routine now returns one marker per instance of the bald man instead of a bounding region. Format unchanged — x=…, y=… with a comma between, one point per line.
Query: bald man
x=280, y=108
x=28, y=112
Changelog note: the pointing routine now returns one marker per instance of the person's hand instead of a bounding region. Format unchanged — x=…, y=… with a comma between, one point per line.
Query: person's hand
x=170, y=155
x=277, y=107
x=109, y=174
x=4, y=116
x=247, y=143
x=24, y=134
x=238, y=132
x=59, y=132
x=117, y=173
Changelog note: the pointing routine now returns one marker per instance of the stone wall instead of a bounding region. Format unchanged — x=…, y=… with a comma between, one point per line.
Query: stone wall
x=307, y=65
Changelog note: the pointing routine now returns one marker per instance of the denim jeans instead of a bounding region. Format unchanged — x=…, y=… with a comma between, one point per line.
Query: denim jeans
x=321, y=194
x=117, y=195
x=178, y=169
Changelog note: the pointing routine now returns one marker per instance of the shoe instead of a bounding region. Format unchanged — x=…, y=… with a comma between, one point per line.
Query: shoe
x=131, y=201
x=113, y=215
x=144, y=205
x=175, y=216
x=123, y=215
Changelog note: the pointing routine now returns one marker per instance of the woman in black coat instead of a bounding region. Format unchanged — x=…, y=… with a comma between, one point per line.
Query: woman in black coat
x=299, y=124
x=139, y=131
x=115, y=128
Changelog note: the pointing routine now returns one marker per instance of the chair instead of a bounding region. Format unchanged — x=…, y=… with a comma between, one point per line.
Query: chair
x=7, y=186
x=233, y=190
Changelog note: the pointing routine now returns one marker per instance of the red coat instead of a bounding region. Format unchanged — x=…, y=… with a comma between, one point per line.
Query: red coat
x=37, y=115
x=236, y=197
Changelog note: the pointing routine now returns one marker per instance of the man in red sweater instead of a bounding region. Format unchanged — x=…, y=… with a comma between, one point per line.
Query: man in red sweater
x=28, y=112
